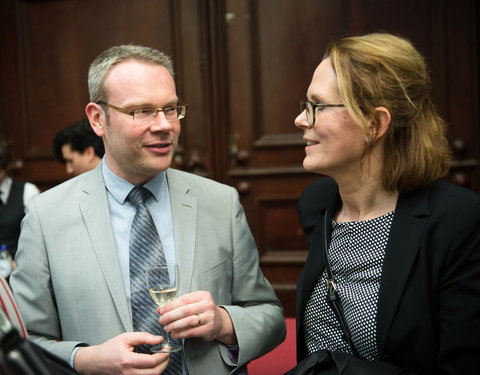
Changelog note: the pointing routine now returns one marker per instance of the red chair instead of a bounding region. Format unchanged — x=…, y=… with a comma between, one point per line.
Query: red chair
x=10, y=308
x=279, y=360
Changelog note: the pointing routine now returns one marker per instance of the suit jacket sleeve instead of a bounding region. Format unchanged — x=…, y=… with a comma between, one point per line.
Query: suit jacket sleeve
x=33, y=288
x=68, y=283
x=227, y=265
x=255, y=311
x=459, y=300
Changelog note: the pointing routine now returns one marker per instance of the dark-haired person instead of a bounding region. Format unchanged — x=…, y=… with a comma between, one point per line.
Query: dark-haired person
x=78, y=147
x=14, y=196
x=403, y=244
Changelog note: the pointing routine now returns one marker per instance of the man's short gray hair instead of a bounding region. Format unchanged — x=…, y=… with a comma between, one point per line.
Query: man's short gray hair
x=115, y=55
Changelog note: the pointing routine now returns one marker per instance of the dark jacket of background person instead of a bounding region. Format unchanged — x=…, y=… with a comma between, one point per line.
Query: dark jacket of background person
x=14, y=196
x=11, y=215
x=431, y=274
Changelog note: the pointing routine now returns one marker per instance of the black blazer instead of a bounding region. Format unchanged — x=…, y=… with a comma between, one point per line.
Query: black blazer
x=428, y=318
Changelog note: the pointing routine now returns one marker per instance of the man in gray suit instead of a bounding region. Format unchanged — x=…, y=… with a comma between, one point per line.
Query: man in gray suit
x=72, y=280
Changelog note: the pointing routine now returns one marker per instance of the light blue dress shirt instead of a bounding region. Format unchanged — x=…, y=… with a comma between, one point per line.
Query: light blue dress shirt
x=122, y=213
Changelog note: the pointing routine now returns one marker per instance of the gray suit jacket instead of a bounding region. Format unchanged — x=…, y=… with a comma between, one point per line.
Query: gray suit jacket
x=69, y=286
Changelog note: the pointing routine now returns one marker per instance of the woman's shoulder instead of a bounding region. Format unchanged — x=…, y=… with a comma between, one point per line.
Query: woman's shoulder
x=319, y=192
x=442, y=201
x=318, y=196
x=450, y=196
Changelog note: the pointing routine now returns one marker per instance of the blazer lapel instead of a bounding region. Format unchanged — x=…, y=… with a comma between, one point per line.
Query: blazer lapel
x=95, y=211
x=411, y=215
x=184, y=216
x=314, y=264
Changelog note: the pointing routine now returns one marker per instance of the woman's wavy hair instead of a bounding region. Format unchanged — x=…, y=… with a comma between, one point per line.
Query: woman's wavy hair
x=384, y=70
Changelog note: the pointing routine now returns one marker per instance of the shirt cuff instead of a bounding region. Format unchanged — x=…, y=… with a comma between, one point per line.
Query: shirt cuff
x=75, y=350
x=232, y=351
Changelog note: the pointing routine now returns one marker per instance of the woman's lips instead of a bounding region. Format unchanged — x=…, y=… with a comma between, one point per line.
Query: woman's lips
x=310, y=144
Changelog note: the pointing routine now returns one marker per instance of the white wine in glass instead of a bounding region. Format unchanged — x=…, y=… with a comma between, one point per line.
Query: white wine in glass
x=162, y=283
x=162, y=296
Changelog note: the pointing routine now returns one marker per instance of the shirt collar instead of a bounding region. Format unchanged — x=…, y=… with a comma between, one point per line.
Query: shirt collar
x=119, y=188
x=5, y=186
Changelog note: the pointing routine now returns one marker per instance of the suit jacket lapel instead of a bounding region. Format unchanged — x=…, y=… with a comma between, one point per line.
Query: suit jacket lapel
x=411, y=215
x=95, y=211
x=184, y=216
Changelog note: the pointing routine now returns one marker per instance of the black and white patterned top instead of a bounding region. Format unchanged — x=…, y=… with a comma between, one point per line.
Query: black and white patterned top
x=356, y=254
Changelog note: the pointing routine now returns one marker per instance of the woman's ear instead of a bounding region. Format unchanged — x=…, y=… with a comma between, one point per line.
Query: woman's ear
x=94, y=113
x=380, y=123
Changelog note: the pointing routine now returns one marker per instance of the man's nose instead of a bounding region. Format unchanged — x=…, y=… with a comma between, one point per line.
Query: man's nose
x=160, y=123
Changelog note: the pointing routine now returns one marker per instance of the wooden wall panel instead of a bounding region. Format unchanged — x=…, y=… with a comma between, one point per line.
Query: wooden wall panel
x=461, y=90
x=283, y=246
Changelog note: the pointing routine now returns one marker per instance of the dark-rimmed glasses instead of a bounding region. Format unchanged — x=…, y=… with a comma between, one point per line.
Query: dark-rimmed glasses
x=310, y=108
x=145, y=116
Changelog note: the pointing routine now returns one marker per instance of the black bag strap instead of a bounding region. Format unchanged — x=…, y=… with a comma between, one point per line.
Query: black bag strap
x=333, y=298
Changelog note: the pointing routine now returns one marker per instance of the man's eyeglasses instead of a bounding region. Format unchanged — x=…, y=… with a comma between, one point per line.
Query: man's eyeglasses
x=145, y=116
x=310, y=108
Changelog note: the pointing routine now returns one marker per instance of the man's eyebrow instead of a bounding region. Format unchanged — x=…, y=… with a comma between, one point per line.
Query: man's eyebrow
x=144, y=105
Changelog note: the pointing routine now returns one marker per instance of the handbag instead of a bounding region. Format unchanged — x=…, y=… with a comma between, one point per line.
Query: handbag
x=326, y=362
x=19, y=356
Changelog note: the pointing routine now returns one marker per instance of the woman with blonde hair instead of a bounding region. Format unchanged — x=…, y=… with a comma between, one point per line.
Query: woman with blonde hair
x=393, y=271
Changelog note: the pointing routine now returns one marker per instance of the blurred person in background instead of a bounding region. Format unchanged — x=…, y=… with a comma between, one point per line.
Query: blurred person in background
x=14, y=196
x=78, y=147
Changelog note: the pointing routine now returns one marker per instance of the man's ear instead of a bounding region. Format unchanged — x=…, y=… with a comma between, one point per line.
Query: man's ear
x=380, y=123
x=96, y=117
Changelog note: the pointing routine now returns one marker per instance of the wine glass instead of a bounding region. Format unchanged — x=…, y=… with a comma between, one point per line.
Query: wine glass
x=162, y=283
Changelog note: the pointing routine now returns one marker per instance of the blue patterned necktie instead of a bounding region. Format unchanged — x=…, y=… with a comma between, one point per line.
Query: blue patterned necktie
x=145, y=249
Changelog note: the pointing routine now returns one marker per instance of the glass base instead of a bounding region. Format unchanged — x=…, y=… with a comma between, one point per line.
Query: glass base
x=166, y=348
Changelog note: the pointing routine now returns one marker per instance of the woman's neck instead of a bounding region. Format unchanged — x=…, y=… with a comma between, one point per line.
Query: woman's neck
x=364, y=200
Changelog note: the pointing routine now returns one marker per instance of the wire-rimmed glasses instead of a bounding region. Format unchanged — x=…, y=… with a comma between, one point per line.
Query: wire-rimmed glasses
x=145, y=116
x=310, y=108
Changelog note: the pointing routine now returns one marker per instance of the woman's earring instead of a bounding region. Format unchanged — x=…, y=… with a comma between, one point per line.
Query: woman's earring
x=368, y=140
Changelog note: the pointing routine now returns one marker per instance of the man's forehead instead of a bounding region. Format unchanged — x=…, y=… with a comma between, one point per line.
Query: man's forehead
x=67, y=147
x=134, y=69
x=133, y=75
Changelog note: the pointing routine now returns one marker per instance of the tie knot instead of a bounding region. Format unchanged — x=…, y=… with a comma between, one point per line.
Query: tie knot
x=138, y=195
